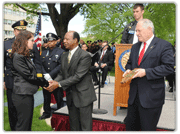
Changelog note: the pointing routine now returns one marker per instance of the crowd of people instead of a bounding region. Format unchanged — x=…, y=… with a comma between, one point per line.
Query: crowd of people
x=71, y=65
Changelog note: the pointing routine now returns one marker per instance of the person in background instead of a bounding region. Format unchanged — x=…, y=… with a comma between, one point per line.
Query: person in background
x=129, y=36
x=99, y=43
x=85, y=48
x=154, y=59
x=26, y=82
x=51, y=63
x=18, y=26
x=104, y=61
x=75, y=78
x=81, y=42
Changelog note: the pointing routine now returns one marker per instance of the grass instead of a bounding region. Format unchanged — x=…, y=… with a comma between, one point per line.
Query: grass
x=37, y=125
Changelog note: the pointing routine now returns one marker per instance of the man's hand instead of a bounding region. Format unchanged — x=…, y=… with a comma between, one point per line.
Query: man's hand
x=125, y=73
x=4, y=86
x=52, y=85
x=103, y=65
x=140, y=73
x=95, y=64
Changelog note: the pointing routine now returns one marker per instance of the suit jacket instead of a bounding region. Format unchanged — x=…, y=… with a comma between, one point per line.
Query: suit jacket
x=128, y=35
x=107, y=58
x=76, y=79
x=158, y=62
x=25, y=79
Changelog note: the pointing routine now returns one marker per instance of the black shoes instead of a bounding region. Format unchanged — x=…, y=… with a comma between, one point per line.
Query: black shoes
x=44, y=117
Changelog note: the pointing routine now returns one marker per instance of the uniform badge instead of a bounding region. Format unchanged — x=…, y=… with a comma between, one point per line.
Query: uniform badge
x=50, y=35
x=21, y=23
x=56, y=56
x=9, y=50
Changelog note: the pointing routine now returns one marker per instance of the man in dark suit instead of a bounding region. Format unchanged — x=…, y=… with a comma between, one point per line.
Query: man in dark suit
x=75, y=78
x=129, y=35
x=104, y=61
x=154, y=59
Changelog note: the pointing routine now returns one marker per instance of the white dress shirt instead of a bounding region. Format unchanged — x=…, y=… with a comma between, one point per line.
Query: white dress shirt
x=148, y=42
x=73, y=51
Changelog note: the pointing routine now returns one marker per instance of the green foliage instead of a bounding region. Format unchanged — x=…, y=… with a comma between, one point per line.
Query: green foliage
x=105, y=21
x=163, y=15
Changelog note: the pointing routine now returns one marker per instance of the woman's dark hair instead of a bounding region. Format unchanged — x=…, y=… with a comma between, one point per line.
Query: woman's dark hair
x=20, y=44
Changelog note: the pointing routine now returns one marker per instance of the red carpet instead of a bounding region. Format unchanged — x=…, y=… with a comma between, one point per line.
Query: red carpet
x=61, y=123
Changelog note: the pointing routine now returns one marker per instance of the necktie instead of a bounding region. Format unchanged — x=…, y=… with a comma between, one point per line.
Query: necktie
x=102, y=55
x=141, y=54
x=69, y=56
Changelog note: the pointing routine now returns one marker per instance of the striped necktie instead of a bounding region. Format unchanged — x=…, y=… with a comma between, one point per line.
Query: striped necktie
x=69, y=57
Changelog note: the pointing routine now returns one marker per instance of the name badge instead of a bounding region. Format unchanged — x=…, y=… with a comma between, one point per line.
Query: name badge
x=131, y=32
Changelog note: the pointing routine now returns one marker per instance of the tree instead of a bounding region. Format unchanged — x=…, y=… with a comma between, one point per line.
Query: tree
x=108, y=20
x=60, y=20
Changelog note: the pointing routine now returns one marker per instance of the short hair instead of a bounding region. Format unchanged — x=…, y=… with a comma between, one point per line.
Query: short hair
x=147, y=23
x=138, y=5
x=76, y=35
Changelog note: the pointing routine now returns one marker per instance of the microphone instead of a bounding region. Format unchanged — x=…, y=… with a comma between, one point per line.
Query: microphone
x=130, y=26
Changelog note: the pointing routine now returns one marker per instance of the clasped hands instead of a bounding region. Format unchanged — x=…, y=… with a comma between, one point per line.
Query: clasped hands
x=139, y=73
x=52, y=85
x=102, y=66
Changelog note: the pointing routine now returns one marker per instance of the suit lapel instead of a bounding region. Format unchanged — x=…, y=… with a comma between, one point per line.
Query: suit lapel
x=74, y=57
x=137, y=54
x=150, y=48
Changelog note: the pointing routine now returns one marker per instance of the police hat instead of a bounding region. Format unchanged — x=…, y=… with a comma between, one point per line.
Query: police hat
x=20, y=25
x=99, y=40
x=89, y=41
x=51, y=36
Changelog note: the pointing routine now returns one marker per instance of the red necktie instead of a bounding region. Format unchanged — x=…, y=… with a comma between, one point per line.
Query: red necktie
x=102, y=56
x=141, y=54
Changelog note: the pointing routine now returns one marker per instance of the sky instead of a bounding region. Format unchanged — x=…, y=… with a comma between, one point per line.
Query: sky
x=77, y=23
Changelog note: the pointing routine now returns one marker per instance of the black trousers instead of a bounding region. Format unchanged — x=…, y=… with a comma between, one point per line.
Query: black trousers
x=139, y=118
x=11, y=110
x=104, y=70
x=58, y=94
x=24, y=105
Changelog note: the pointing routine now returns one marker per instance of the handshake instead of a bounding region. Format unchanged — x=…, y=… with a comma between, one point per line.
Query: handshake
x=47, y=82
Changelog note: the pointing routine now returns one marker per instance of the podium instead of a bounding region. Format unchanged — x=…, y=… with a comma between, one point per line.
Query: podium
x=121, y=91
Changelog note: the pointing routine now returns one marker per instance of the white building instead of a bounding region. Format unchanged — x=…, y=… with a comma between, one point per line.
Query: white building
x=10, y=17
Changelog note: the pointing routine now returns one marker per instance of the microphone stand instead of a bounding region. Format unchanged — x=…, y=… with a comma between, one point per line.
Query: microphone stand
x=103, y=111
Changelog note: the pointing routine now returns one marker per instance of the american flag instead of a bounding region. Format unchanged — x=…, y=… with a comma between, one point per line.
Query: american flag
x=37, y=35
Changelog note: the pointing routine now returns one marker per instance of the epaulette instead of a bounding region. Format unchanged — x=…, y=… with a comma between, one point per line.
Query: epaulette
x=6, y=39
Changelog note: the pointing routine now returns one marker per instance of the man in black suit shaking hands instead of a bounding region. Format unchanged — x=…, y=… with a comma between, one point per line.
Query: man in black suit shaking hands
x=154, y=58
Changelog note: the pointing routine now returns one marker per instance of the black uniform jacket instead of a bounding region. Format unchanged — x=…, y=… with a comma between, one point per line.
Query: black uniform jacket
x=51, y=61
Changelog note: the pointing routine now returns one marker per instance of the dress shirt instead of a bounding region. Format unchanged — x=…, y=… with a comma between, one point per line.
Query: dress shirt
x=102, y=53
x=135, y=39
x=73, y=51
x=148, y=42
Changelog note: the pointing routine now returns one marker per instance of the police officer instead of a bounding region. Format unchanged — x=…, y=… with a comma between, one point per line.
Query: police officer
x=8, y=76
x=51, y=65
x=129, y=36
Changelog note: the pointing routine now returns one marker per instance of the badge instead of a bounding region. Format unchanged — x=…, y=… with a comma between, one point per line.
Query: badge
x=56, y=56
x=9, y=51
x=131, y=32
x=21, y=23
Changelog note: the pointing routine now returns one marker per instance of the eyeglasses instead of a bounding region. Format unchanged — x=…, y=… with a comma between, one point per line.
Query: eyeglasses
x=31, y=40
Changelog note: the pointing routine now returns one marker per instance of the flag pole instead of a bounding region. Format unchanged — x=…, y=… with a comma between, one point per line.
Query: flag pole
x=41, y=34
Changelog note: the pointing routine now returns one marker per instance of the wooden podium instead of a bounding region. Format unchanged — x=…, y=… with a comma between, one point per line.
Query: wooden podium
x=121, y=91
